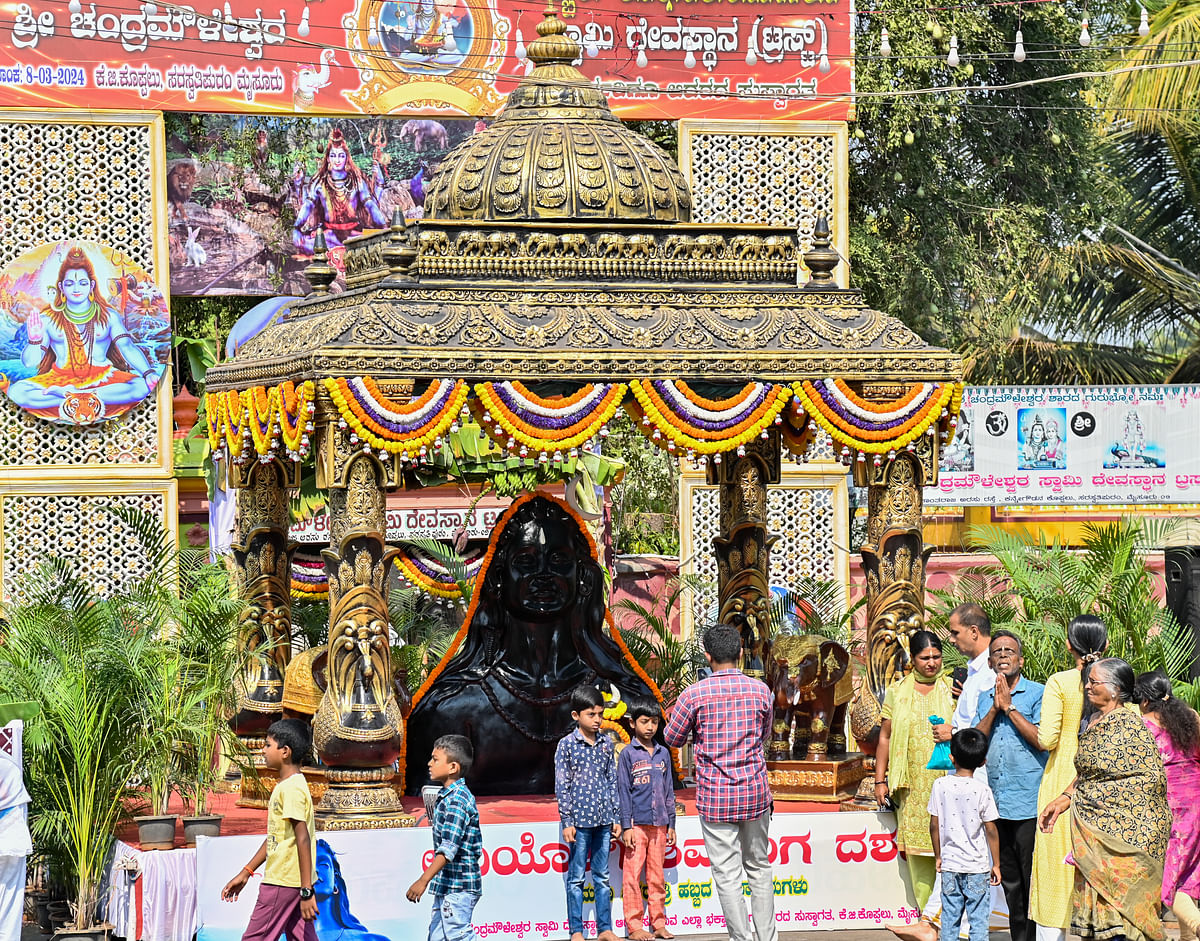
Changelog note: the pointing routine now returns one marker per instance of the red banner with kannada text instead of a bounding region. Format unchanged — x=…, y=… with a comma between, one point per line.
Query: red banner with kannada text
x=744, y=59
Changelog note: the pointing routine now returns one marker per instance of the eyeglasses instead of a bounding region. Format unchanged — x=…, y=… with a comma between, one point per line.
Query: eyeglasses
x=1090, y=682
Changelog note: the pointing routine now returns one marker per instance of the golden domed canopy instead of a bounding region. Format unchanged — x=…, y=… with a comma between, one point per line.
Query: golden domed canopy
x=557, y=152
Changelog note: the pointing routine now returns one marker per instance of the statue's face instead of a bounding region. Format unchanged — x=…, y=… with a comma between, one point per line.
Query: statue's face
x=337, y=159
x=76, y=286
x=542, y=577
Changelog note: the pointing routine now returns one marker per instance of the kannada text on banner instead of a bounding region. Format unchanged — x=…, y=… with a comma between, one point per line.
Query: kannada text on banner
x=1050, y=446
x=662, y=59
x=831, y=870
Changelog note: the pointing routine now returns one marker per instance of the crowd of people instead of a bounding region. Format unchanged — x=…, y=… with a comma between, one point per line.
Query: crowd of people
x=1078, y=798
x=981, y=767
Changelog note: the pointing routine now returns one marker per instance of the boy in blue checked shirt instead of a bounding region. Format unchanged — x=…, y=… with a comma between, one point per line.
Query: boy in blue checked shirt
x=585, y=784
x=457, y=843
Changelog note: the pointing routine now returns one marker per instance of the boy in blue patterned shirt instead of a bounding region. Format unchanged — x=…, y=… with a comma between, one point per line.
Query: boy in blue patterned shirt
x=585, y=784
x=457, y=844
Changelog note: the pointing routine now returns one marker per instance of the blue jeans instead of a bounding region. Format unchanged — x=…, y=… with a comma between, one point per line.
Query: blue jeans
x=590, y=843
x=451, y=918
x=970, y=892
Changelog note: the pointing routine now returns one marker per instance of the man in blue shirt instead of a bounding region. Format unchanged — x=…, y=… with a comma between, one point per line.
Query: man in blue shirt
x=1009, y=715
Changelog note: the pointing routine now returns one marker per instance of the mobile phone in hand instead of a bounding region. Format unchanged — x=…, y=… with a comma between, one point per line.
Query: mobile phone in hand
x=958, y=676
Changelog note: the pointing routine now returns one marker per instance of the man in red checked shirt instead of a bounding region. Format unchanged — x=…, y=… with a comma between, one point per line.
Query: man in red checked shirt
x=728, y=715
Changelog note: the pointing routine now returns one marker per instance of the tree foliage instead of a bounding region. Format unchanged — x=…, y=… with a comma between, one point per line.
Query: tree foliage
x=954, y=194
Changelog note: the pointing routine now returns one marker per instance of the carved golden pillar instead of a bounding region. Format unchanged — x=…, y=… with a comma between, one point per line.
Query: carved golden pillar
x=893, y=560
x=358, y=729
x=263, y=558
x=743, y=548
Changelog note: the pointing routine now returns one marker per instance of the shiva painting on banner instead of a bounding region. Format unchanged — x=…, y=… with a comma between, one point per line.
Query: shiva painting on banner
x=84, y=332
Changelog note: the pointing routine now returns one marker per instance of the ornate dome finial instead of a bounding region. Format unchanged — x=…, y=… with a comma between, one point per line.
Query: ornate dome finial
x=553, y=46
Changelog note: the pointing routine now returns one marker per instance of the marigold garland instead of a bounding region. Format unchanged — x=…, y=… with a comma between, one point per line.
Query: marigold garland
x=265, y=415
x=309, y=580
x=512, y=415
x=927, y=405
x=671, y=411
x=397, y=427
x=423, y=571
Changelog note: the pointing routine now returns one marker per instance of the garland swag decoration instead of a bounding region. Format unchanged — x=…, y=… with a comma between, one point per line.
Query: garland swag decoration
x=263, y=417
x=879, y=428
x=675, y=418
x=421, y=570
x=522, y=422
x=309, y=580
x=407, y=429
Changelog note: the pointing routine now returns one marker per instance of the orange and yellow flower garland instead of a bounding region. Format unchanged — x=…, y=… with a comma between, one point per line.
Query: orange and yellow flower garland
x=545, y=425
x=859, y=435
x=742, y=417
x=407, y=428
x=263, y=415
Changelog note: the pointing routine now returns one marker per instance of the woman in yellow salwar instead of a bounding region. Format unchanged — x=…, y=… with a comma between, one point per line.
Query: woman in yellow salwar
x=905, y=747
x=1120, y=819
x=1058, y=733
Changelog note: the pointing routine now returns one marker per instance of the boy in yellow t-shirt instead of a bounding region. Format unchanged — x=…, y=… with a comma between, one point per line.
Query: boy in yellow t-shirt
x=286, y=902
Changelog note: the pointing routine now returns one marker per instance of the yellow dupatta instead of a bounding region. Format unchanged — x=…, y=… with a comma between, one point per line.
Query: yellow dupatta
x=908, y=706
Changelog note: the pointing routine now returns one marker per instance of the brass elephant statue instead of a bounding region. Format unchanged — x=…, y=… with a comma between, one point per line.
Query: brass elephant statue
x=812, y=684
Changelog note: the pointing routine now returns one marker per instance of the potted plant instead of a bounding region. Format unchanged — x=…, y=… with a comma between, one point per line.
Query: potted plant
x=76, y=654
x=206, y=622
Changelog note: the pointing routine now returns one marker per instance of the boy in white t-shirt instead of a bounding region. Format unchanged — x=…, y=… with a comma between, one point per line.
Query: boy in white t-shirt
x=966, y=844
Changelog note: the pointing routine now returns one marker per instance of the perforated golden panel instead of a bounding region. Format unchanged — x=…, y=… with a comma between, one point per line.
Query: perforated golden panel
x=94, y=177
x=39, y=524
x=808, y=511
x=782, y=173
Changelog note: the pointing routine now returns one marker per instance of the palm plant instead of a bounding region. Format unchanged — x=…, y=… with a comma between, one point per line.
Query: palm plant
x=132, y=683
x=1037, y=586
x=815, y=606
x=672, y=662
x=75, y=654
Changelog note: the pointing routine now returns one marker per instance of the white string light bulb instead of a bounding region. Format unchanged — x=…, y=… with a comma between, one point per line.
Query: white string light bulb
x=689, y=60
x=373, y=33
x=75, y=6
x=823, y=65
x=642, y=61
x=952, y=59
x=1019, y=48
x=751, y=57
x=1144, y=23
x=302, y=29
x=885, y=46
x=1085, y=38
x=519, y=51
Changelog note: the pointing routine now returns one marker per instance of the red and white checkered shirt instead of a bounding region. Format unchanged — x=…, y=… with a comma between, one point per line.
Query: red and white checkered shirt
x=728, y=714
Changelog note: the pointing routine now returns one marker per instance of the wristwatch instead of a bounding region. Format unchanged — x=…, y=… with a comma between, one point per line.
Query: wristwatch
x=306, y=894
x=1009, y=710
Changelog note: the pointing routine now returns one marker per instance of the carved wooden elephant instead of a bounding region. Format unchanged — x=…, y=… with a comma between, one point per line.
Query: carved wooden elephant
x=812, y=685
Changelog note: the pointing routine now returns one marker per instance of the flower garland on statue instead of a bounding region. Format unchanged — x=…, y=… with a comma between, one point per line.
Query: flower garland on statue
x=879, y=428
x=408, y=429
x=674, y=417
x=523, y=422
x=421, y=570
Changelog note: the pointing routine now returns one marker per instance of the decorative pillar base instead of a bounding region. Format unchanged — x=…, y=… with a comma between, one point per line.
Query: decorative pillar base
x=361, y=799
x=828, y=781
x=256, y=787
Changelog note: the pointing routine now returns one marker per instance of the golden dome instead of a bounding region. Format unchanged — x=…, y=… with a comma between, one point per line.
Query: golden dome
x=557, y=152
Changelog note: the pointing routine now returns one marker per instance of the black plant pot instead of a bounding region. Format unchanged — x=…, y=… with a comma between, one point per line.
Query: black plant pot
x=43, y=915
x=59, y=913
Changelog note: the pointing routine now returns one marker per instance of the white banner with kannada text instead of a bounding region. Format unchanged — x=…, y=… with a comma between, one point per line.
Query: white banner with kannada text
x=1049, y=446
x=832, y=870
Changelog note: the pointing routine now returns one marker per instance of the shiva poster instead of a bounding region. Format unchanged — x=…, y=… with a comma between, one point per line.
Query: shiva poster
x=247, y=194
x=84, y=332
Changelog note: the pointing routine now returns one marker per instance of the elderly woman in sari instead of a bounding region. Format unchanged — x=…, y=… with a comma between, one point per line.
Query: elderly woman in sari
x=1176, y=728
x=905, y=747
x=1120, y=820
